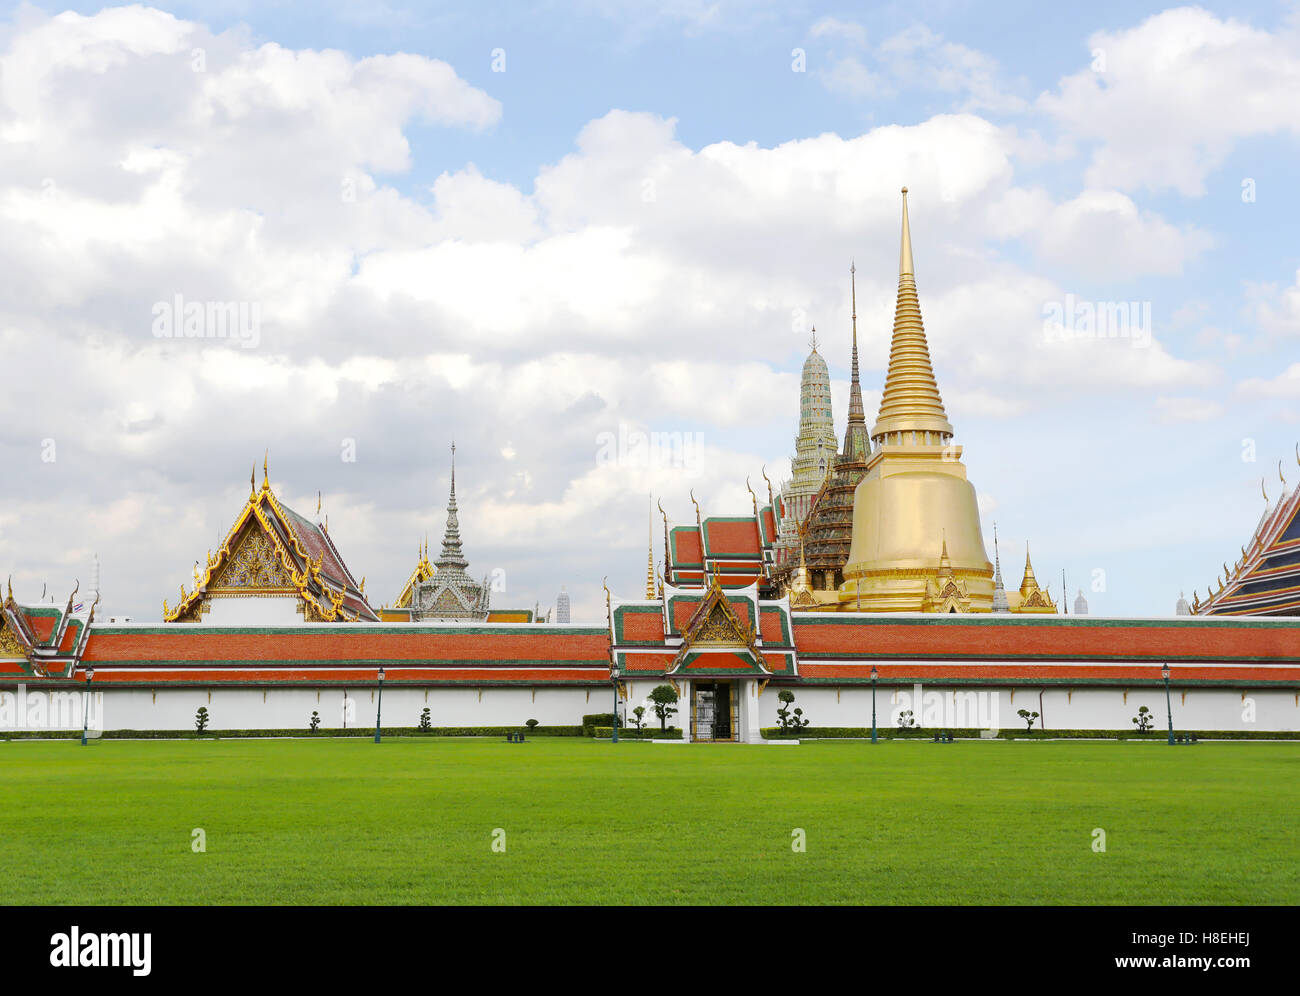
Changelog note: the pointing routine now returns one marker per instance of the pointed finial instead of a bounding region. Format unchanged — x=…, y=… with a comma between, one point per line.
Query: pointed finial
x=813, y=341
x=1263, y=490
x=1279, y=473
x=252, y=480
x=318, y=500
x=905, y=251
x=650, y=550
x=266, y=472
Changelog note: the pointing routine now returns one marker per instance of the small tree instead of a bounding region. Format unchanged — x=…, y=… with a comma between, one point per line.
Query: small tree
x=664, y=698
x=1144, y=720
x=201, y=719
x=789, y=720
x=905, y=720
x=531, y=724
x=315, y=721
x=639, y=717
x=1028, y=717
x=426, y=724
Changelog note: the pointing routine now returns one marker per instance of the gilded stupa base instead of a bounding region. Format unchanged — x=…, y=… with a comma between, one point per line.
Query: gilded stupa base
x=917, y=543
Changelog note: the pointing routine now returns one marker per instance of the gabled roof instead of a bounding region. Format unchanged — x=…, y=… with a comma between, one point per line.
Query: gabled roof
x=44, y=639
x=1265, y=580
x=273, y=549
x=424, y=570
x=719, y=640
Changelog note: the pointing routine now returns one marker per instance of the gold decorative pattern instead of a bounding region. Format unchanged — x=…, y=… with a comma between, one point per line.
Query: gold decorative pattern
x=10, y=645
x=253, y=564
x=324, y=601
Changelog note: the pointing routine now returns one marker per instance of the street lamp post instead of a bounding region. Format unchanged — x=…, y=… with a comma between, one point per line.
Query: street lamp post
x=379, y=708
x=85, y=706
x=874, y=676
x=1169, y=709
x=613, y=677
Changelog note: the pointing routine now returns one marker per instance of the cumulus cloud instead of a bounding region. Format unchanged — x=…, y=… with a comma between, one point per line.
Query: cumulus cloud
x=1162, y=103
x=640, y=285
x=915, y=59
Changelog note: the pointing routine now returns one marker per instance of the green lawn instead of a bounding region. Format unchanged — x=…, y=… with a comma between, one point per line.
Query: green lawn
x=411, y=821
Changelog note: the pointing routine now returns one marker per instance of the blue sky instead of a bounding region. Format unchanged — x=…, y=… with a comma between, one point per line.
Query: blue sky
x=506, y=279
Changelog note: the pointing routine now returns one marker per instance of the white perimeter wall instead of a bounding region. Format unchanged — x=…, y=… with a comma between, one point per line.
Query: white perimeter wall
x=291, y=708
x=1082, y=709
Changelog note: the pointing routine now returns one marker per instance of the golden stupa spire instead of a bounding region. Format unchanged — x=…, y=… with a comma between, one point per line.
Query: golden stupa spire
x=910, y=402
x=650, y=554
x=1030, y=583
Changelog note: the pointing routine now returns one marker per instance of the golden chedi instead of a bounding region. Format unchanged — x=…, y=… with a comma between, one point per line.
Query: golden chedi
x=917, y=545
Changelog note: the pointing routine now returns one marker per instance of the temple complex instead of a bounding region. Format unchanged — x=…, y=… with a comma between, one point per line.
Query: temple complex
x=864, y=582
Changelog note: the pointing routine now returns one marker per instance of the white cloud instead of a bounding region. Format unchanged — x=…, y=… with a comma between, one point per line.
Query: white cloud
x=1102, y=234
x=1175, y=94
x=640, y=283
x=915, y=60
x=1284, y=385
x=1172, y=410
x=1276, y=311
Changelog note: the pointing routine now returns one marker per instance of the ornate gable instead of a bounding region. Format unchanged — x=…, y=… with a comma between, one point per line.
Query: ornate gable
x=944, y=591
x=716, y=635
x=254, y=563
x=273, y=551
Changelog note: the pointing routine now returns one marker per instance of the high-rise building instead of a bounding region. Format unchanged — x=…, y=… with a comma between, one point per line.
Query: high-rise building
x=562, y=606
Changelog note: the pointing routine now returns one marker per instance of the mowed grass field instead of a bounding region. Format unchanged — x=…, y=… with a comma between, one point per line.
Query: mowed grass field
x=412, y=821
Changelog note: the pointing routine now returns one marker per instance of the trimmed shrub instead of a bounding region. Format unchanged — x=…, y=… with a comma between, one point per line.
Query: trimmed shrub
x=589, y=723
x=627, y=733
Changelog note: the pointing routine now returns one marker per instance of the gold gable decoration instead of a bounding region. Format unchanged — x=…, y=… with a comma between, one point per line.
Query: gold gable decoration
x=1032, y=597
x=424, y=571
x=269, y=556
x=10, y=645
x=944, y=591
x=716, y=625
x=254, y=564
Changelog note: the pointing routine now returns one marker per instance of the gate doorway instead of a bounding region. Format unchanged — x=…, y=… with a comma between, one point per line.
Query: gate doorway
x=714, y=711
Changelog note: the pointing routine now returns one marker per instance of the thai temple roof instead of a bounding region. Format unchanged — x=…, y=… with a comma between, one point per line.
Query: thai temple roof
x=1265, y=579
x=273, y=550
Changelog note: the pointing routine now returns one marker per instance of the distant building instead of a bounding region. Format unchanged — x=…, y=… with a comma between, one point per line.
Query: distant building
x=562, y=606
x=1080, y=604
